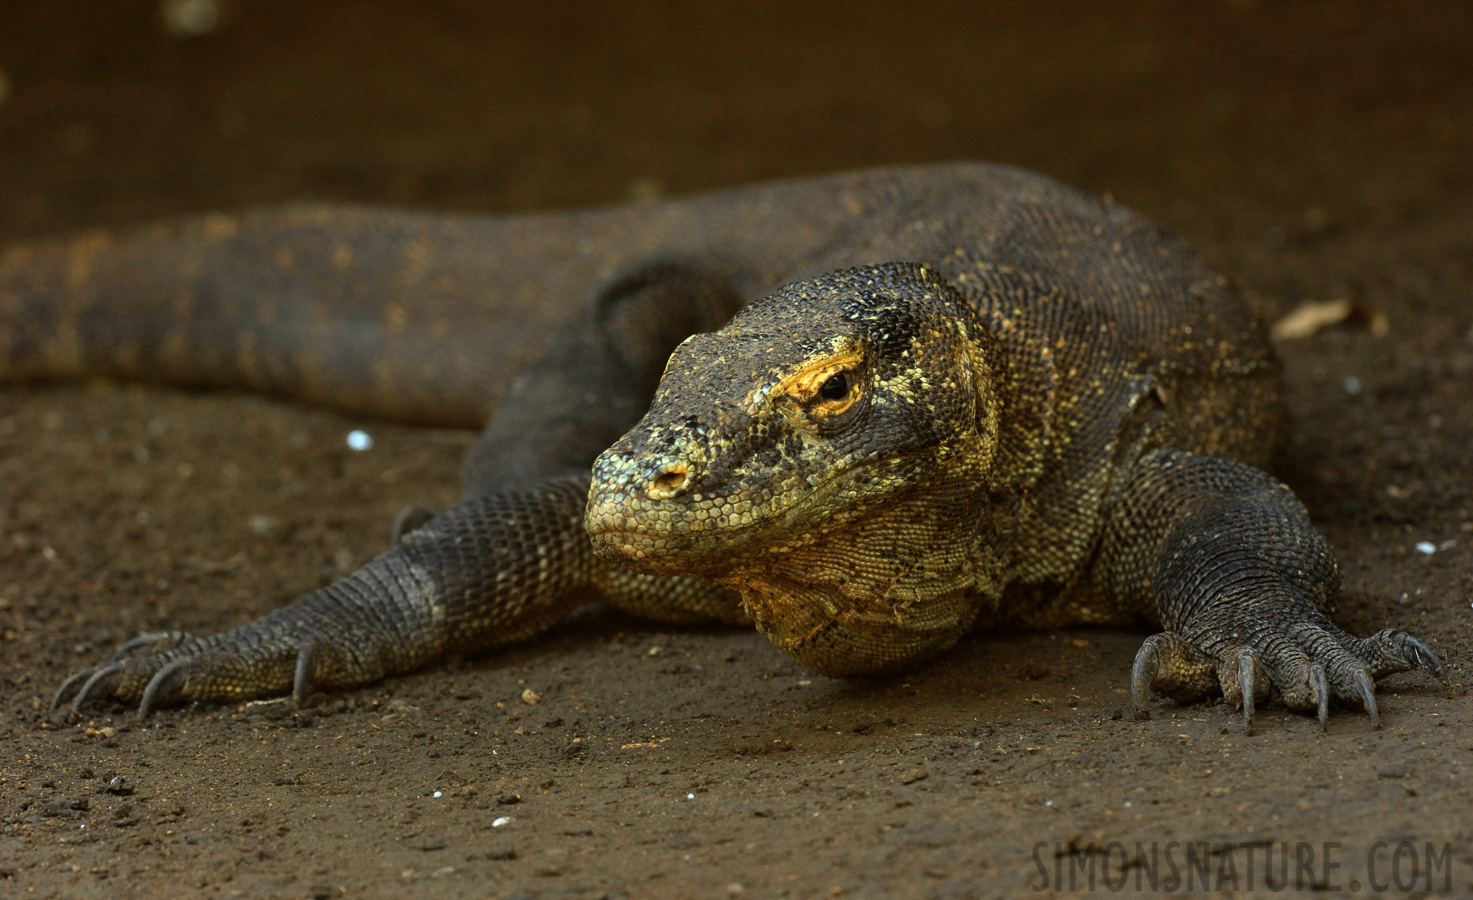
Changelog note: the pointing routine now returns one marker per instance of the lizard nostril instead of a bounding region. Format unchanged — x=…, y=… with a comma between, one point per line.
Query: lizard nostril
x=669, y=482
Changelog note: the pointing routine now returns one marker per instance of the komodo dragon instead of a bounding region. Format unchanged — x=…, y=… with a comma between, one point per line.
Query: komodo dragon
x=970, y=396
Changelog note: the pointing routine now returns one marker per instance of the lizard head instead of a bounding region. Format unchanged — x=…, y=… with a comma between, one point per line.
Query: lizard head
x=827, y=454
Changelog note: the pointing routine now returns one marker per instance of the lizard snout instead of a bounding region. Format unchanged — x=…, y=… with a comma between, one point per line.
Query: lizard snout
x=669, y=469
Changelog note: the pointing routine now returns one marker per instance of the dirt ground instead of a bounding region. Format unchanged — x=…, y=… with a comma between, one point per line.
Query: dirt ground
x=1315, y=151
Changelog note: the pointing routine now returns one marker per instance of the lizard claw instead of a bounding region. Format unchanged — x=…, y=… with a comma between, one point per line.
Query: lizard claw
x=1321, y=693
x=1248, y=668
x=1142, y=673
x=165, y=677
x=1368, y=696
x=70, y=685
x=1170, y=665
x=302, y=675
x=100, y=675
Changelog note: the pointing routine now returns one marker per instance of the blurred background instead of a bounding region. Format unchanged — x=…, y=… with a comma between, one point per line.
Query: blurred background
x=1273, y=119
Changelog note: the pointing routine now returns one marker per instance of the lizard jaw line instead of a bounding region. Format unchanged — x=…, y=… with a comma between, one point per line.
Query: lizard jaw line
x=718, y=551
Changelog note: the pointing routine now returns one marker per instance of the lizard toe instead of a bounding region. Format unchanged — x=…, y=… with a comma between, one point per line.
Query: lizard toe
x=1244, y=681
x=1168, y=665
x=1390, y=651
x=166, y=679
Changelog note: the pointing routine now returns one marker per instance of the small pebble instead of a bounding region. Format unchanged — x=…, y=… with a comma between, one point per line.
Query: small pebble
x=1426, y=547
x=1352, y=385
x=500, y=821
x=118, y=785
x=360, y=440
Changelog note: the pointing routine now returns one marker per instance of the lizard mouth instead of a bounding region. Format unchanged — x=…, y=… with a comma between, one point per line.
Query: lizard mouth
x=630, y=541
x=670, y=537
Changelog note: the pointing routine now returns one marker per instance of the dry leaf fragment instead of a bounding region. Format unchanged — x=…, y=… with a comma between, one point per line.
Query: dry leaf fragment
x=1314, y=316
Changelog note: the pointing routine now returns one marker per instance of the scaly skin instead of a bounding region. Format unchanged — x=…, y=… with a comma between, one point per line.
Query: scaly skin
x=1006, y=402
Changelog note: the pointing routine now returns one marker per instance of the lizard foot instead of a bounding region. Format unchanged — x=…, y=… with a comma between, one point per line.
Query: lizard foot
x=172, y=667
x=1305, y=664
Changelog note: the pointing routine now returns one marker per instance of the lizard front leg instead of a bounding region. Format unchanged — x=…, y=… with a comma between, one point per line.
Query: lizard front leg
x=483, y=573
x=1227, y=559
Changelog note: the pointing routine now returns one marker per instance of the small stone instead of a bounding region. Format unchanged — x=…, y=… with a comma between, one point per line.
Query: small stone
x=118, y=785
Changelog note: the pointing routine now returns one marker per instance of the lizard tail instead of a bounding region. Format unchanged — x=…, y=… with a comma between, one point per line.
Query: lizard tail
x=410, y=316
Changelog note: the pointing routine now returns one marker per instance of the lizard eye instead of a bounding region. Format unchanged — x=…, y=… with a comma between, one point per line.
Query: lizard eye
x=836, y=388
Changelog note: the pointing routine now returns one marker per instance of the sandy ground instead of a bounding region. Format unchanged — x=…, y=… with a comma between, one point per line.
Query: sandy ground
x=1314, y=151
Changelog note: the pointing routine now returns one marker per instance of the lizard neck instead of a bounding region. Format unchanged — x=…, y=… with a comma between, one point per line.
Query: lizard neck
x=869, y=593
